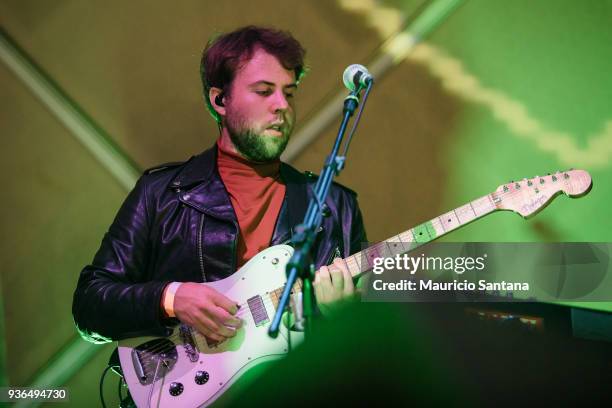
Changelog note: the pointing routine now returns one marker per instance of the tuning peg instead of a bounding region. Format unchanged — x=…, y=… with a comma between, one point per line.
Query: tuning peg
x=554, y=178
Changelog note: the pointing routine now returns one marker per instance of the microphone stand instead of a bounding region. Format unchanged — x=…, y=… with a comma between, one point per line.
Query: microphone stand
x=301, y=264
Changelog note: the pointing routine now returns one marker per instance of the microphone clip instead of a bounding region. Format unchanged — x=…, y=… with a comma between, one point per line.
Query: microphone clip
x=351, y=102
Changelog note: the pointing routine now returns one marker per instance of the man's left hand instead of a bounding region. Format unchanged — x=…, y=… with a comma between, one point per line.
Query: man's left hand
x=333, y=284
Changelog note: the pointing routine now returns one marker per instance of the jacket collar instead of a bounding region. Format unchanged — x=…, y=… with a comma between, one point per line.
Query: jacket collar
x=198, y=169
x=202, y=188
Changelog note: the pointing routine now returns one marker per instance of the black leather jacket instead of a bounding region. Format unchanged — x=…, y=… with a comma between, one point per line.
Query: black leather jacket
x=178, y=224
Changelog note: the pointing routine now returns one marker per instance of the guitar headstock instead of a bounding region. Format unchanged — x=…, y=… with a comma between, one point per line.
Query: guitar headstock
x=529, y=196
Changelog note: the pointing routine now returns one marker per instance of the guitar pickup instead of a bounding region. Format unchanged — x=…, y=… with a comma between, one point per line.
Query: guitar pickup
x=258, y=310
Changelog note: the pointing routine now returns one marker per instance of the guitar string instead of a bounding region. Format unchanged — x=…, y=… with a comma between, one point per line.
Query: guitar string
x=381, y=246
x=486, y=201
x=352, y=260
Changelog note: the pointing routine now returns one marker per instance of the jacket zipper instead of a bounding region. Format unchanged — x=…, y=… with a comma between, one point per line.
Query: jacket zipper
x=200, y=252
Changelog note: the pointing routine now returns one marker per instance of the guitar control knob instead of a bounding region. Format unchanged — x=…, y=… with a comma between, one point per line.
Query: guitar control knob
x=176, y=389
x=201, y=377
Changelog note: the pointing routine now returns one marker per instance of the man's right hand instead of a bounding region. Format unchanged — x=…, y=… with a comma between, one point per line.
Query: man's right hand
x=207, y=310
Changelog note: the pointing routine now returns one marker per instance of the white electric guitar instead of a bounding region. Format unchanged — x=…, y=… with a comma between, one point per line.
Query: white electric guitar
x=187, y=370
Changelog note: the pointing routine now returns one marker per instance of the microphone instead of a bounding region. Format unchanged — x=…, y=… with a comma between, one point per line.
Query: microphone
x=355, y=76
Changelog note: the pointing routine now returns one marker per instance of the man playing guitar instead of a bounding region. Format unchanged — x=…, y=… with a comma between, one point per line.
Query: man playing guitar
x=201, y=220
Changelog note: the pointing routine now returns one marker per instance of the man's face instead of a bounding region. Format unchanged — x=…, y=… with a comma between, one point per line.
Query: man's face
x=259, y=108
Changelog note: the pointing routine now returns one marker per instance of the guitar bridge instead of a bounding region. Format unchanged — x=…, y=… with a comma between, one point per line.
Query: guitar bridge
x=153, y=354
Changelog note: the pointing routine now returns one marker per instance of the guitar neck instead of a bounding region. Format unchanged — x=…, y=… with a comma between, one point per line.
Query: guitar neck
x=525, y=197
x=362, y=261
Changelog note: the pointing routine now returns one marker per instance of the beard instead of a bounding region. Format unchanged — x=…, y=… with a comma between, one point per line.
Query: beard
x=252, y=143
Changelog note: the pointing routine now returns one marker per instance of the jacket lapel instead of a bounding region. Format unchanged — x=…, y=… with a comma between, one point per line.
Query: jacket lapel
x=202, y=186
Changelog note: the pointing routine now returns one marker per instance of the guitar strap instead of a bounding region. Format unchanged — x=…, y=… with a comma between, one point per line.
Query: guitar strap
x=297, y=196
x=297, y=202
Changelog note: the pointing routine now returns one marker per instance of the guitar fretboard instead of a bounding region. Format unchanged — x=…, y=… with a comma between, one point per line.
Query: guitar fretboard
x=362, y=262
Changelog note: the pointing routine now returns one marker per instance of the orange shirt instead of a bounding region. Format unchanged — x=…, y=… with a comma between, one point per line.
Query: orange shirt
x=256, y=192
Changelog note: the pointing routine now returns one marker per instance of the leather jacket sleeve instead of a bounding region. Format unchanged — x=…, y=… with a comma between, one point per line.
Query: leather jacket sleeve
x=114, y=299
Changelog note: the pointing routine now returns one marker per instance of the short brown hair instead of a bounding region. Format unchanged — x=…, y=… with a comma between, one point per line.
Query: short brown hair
x=224, y=54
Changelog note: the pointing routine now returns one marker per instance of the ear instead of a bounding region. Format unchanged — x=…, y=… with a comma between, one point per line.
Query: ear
x=213, y=95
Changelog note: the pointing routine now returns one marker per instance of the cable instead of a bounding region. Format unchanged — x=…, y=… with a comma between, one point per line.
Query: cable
x=356, y=121
x=102, y=384
x=119, y=389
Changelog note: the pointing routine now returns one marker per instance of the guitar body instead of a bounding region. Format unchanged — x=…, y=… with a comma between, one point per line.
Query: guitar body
x=192, y=372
